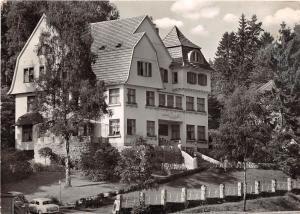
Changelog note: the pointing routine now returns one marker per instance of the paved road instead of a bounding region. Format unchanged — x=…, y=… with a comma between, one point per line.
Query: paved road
x=102, y=210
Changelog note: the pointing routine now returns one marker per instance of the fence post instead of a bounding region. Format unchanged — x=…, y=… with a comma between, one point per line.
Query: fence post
x=142, y=198
x=289, y=184
x=240, y=188
x=163, y=197
x=184, y=197
x=273, y=185
x=256, y=187
x=118, y=204
x=203, y=193
x=222, y=191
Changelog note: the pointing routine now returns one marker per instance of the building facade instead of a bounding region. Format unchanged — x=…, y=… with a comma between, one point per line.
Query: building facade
x=156, y=88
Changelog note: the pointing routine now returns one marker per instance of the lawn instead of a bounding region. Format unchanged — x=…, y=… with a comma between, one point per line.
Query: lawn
x=45, y=184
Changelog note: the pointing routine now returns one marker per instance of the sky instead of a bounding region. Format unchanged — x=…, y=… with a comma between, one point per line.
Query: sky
x=204, y=22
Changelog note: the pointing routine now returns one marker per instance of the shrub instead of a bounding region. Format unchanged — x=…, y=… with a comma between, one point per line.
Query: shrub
x=15, y=166
x=45, y=152
x=99, y=164
x=169, y=155
x=141, y=208
x=136, y=165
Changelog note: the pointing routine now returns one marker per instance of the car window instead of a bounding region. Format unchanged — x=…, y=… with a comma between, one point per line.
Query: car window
x=38, y=203
x=47, y=202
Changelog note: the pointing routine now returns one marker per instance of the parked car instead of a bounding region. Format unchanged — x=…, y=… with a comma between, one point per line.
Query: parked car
x=43, y=205
x=14, y=202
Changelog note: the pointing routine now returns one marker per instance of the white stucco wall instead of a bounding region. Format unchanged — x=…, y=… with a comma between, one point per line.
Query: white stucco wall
x=28, y=58
x=102, y=129
x=144, y=51
x=164, y=58
x=141, y=113
x=21, y=109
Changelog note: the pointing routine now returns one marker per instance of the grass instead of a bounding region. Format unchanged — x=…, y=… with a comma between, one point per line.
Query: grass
x=289, y=202
x=45, y=184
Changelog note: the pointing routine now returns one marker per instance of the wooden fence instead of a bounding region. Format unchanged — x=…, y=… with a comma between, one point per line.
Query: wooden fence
x=183, y=195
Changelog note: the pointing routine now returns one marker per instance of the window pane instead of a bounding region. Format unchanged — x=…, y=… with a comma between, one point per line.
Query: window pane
x=190, y=132
x=179, y=102
x=174, y=77
x=162, y=99
x=201, y=104
x=31, y=74
x=131, y=95
x=114, y=96
x=201, y=132
x=149, y=70
x=27, y=133
x=202, y=79
x=26, y=75
x=190, y=103
x=191, y=78
x=170, y=101
x=131, y=126
x=163, y=129
x=150, y=98
x=30, y=102
x=150, y=128
x=114, y=127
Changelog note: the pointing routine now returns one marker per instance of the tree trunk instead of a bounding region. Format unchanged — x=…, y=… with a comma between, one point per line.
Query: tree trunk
x=245, y=186
x=67, y=163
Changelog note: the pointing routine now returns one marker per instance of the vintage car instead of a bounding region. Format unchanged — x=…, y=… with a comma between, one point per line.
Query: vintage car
x=43, y=205
x=14, y=202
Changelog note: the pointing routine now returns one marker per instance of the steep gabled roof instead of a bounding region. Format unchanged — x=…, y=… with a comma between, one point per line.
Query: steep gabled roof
x=113, y=43
x=176, y=38
x=110, y=33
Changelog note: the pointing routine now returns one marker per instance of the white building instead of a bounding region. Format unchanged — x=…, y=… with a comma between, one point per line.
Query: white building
x=156, y=88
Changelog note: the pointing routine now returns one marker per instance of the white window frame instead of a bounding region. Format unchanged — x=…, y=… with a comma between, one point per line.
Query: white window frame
x=114, y=96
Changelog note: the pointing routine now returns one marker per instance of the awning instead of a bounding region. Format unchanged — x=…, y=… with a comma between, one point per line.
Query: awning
x=30, y=118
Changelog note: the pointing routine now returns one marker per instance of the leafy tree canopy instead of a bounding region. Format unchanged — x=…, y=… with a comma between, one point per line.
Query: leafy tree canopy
x=68, y=93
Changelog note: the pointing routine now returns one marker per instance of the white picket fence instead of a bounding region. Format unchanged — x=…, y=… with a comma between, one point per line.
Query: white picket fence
x=163, y=196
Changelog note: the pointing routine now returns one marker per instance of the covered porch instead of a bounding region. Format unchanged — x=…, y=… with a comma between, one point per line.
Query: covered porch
x=170, y=132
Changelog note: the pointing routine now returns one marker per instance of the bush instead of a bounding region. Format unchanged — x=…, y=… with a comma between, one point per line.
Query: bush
x=141, y=209
x=136, y=164
x=99, y=164
x=38, y=167
x=15, y=166
x=45, y=152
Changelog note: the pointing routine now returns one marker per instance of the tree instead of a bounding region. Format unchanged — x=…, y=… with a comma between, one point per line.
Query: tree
x=244, y=129
x=266, y=39
x=235, y=56
x=7, y=119
x=68, y=93
x=285, y=63
x=100, y=163
x=45, y=152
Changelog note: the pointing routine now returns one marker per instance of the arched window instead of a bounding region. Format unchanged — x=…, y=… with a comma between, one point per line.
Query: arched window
x=195, y=56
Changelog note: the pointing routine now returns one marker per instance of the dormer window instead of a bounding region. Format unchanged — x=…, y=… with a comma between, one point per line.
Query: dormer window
x=195, y=56
x=28, y=75
x=144, y=69
x=102, y=47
